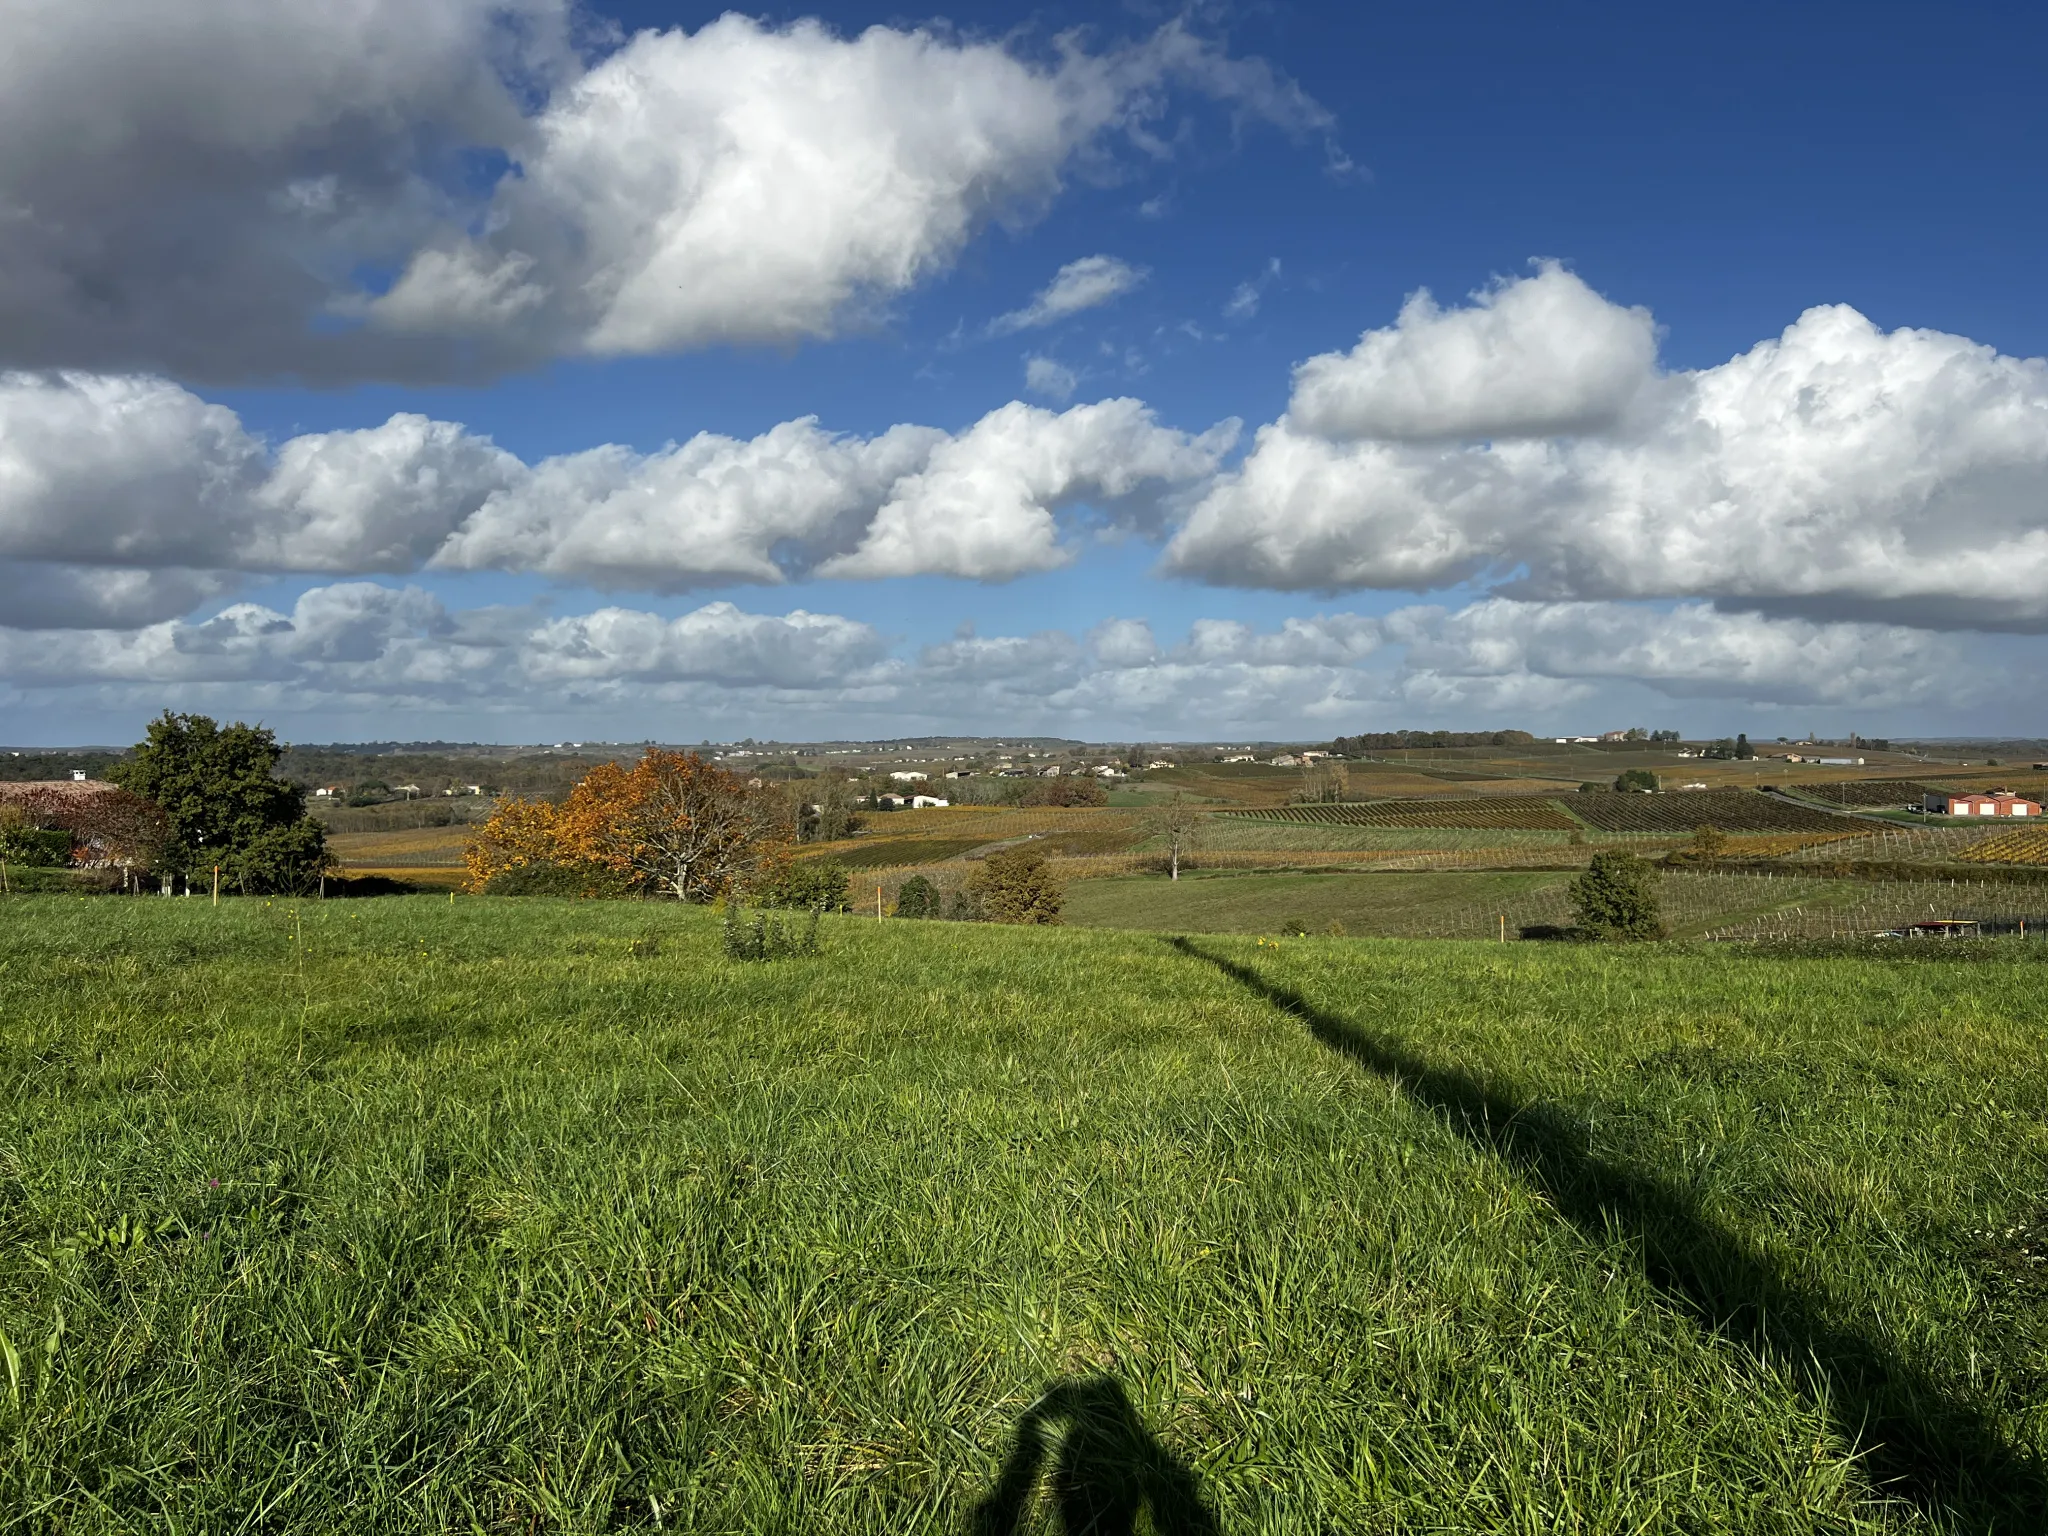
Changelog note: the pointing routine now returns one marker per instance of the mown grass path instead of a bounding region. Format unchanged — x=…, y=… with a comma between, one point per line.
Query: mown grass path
x=514, y=1215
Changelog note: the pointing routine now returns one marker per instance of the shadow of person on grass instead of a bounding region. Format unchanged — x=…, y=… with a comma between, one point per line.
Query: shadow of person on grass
x=1106, y=1468
x=1916, y=1440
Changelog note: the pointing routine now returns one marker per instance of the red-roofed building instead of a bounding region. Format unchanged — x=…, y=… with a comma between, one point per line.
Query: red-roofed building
x=1998, y=802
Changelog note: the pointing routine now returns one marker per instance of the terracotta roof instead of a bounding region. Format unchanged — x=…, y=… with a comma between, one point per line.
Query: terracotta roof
x=55, y=789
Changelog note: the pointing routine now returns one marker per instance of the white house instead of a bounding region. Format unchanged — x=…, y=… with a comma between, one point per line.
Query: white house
x=906, y=775
x=920, y=802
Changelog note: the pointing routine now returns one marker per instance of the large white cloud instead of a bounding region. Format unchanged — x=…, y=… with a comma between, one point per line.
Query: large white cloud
x=200, y=187
x=985, y=504
x=138, y=474
x=714, y=508
x=1837, y=470
x=1535, y=358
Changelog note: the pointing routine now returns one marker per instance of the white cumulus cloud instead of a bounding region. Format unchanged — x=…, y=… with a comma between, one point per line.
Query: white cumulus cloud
x=1535, y=358
x=198, y=187
x=141, y=475
x=1837, y=471
x=712, y=509
x=986, y=504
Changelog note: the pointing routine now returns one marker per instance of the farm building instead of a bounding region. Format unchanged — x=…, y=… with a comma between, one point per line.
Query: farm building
x=1998, y=802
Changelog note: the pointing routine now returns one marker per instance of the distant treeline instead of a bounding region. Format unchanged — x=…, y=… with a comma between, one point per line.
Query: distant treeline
x=30, y=767
x=1381, y=741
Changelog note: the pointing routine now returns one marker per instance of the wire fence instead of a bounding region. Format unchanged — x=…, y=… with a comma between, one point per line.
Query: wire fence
x=1898, y=845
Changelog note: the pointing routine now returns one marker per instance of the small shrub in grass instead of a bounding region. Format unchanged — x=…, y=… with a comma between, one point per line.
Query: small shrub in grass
x=811, y=885
x=1616, y=899
x=918, y=898
x=963, y=908
x=1016, y=885
x=1336, y=930
x=757, y=936
x=1294, y=928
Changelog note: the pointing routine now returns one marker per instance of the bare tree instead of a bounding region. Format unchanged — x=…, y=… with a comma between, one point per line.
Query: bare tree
x=1179, y=823
x=1322, y=783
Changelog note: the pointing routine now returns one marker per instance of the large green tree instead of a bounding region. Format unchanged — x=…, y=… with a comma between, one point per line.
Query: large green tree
x=224, y=805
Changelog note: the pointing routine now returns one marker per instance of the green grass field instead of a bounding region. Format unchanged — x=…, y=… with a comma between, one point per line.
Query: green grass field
x=1473, y=904
x=1435, y=903
x=408, y=1215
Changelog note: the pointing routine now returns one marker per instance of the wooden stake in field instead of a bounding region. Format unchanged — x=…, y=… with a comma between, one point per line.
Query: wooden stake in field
x=1503, y=927
x=216, y=885
x=878, y=901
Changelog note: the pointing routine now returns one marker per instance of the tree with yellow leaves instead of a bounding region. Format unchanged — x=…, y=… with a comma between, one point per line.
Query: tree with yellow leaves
x=672, y=824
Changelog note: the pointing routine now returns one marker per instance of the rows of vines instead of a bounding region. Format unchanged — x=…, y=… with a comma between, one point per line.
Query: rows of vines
x=1527, y=814
x=1732, y=810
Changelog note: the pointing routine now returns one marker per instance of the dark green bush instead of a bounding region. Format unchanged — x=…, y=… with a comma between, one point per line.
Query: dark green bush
x=809, y=885
x=1016, y=885
x=35, y=847
x=583, y=880
x=918, y=898
x=1616, y=898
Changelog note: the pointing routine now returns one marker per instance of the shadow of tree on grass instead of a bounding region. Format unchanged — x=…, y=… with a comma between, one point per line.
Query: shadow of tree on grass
x=1916, y=1440
x=1106, y=1469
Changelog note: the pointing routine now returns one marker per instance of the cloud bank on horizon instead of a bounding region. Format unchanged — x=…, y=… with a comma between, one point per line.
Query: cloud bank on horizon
x=1544, y=516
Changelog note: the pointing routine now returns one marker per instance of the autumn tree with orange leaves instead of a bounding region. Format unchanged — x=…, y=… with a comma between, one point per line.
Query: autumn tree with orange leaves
x=673, y=824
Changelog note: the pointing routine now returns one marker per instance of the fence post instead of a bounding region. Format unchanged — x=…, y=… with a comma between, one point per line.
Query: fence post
x=216, y=884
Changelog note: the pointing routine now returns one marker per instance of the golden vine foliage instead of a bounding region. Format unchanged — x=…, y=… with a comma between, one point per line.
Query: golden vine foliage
x=673, y=823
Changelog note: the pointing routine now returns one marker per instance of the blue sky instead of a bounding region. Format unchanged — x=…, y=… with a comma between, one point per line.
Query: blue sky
x=1298, y=172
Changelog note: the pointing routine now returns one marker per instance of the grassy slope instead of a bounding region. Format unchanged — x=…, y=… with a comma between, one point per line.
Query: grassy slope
x=1259, y=903
x=470, y=1216
x=1443, y=904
